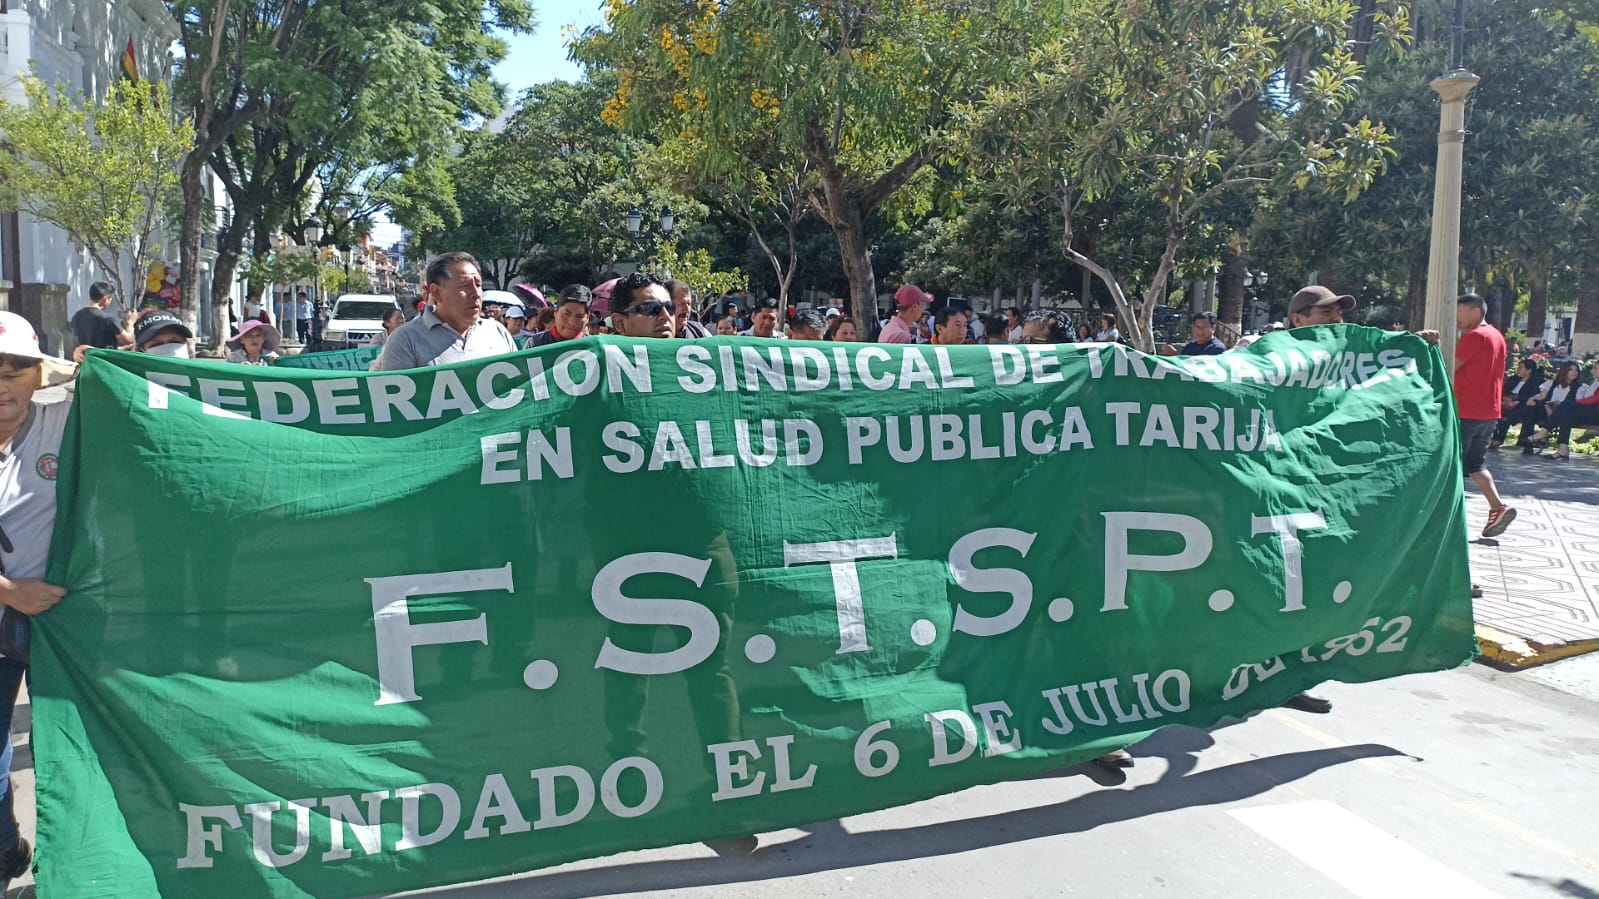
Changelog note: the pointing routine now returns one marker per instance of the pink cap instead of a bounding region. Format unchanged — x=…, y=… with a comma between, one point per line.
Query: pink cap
x=910, y=295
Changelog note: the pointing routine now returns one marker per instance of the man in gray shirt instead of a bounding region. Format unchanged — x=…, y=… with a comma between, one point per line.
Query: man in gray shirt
x=451, y=328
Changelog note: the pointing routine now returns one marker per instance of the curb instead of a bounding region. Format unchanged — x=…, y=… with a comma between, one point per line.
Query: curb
x=1505, y=650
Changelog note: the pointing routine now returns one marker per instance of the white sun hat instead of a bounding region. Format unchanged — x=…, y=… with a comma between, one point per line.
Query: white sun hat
x=17, y=338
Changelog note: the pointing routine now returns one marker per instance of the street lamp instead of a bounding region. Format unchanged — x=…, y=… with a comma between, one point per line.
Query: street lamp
x=1443, y=257
x=634, y=220
x=345, y=252
x=667, y=219
x=312, y=228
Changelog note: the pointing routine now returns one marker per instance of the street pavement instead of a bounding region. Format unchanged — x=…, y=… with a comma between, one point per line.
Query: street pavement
x=1540, y=578
x=1466, y=783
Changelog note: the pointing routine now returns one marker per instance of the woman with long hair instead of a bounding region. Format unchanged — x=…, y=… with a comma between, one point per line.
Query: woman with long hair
x=1578, y=408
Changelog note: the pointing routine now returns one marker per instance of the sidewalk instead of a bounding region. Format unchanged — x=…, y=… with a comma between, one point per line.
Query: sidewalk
x=1540, y=578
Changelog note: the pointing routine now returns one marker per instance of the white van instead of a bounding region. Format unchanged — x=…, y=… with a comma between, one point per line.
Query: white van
x=356, y=319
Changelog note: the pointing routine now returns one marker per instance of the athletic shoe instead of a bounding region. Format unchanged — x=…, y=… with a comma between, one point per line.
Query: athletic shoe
x=1498, y=520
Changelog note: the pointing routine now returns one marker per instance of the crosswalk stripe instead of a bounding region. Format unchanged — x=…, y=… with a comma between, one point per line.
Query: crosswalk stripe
x=1355, y=853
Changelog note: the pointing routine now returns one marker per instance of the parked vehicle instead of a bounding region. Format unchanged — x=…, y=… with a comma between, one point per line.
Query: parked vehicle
x=357, y=318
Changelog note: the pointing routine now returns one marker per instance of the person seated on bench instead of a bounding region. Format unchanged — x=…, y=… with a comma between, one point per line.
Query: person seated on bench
x=1523, y=405
x=1580, y=409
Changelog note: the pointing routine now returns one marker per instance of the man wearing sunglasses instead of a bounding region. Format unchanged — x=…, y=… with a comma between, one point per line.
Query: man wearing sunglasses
x=641, y=307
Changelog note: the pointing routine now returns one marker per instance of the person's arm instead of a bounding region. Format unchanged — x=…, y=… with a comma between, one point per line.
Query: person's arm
x=1470, y=347
x=29, y=595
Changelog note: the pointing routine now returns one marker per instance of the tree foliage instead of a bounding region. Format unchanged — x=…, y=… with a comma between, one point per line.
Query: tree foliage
x=547, y=198
x=1529, y=177
x=102, y=172
x=861, y=91
x=1182, y=104
x=354, y=90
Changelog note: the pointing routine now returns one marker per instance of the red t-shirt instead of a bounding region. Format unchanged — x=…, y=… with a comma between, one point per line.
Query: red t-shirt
x=1479, y=373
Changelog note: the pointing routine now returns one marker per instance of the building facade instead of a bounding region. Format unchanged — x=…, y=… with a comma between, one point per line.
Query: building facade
x=44, y=275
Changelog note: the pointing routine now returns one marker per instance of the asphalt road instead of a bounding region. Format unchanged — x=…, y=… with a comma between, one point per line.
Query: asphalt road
x=1458, y=784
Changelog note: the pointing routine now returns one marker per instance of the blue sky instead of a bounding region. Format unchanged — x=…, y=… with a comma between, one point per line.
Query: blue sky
x=541, y=56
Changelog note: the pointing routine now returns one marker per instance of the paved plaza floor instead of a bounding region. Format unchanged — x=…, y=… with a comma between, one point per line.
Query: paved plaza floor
x=1540, y=578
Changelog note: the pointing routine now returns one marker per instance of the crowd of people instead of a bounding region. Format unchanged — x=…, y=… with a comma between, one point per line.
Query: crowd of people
x=457, y=322
x=1547, y=407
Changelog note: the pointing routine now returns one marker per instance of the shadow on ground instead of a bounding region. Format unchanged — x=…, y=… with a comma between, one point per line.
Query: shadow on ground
x=1563, y=886
x=830, y=847
x=1515, y=475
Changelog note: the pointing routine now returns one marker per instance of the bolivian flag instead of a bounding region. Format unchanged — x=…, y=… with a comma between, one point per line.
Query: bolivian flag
x=130, y=66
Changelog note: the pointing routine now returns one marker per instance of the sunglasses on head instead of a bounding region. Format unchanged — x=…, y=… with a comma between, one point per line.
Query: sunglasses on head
x=649, y=307
x=766, y=304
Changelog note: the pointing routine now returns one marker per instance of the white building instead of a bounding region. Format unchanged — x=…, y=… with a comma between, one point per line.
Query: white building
x=80, y=43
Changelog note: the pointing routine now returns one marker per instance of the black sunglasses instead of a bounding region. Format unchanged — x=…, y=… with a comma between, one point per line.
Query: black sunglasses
x=767, y=303
x=648, y=307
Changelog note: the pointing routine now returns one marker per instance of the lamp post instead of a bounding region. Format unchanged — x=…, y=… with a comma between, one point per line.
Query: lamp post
x=635, y=224
x=312, y=228
x=345, y=253
x=1443, y=259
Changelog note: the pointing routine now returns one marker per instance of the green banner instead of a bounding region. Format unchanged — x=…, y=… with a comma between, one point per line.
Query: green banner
x=358, y=359
x=335, y=635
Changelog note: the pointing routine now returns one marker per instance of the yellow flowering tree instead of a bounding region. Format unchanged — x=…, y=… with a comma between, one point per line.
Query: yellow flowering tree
x=859, y=94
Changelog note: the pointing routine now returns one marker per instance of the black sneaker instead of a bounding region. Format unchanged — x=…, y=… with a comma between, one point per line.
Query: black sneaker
x=1309, y=702
x=14, y=862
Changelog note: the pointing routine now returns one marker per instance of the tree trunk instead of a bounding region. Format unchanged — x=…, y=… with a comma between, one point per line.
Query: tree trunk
x=1504, y=306
x=1538, y=303
x=1585, y=336
x=856, y=254
x=1230, y=309
x=229, y=254
x=191, y=180
x=1416, y=293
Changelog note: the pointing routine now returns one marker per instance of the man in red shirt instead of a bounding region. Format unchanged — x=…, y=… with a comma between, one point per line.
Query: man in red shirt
x=1479, y=381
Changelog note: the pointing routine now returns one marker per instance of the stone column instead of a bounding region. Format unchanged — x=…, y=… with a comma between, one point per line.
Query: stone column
x=1443, y=265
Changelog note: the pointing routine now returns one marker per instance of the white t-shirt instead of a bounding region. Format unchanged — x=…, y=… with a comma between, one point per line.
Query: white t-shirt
x=28, y=469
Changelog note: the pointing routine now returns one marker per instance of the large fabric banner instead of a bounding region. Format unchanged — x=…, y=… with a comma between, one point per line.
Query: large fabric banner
x=342, y=634
x=358, y=359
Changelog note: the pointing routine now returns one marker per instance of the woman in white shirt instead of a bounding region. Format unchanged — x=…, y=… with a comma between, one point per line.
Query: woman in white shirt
x=1107, y=330
x=1576, y=408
